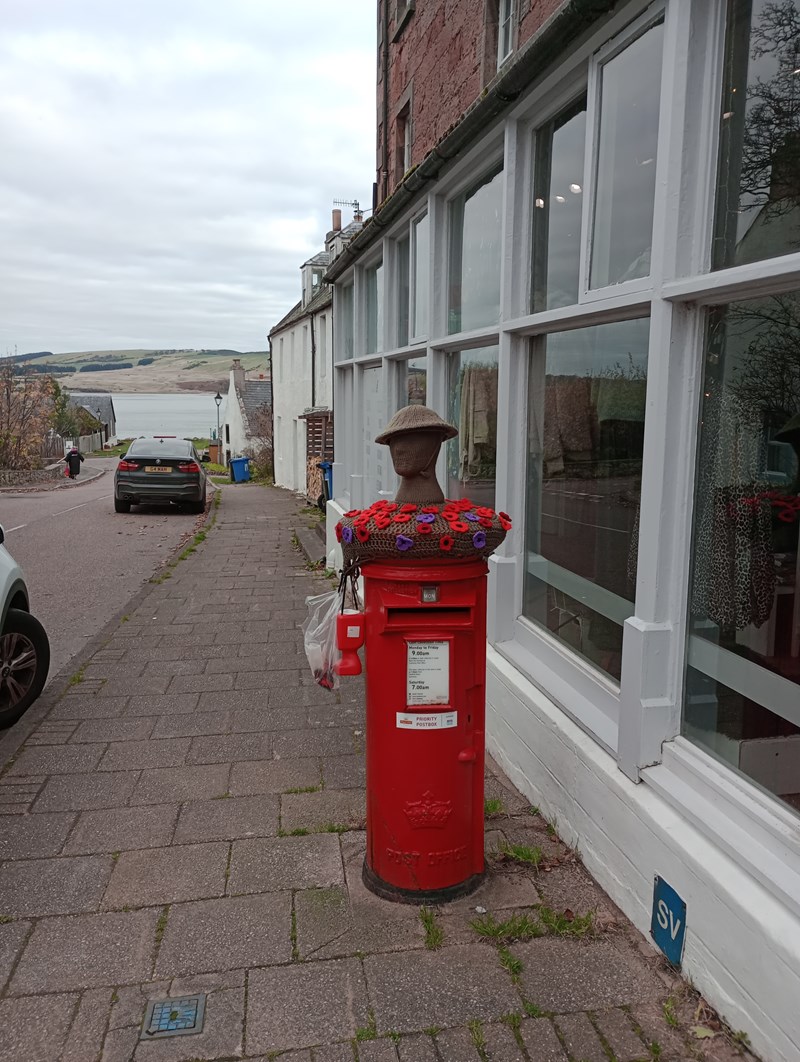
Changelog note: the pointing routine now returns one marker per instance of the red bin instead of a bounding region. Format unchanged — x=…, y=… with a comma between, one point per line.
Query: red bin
x=425, y=682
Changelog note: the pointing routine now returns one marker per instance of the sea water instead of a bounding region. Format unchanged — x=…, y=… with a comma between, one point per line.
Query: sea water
x=189, y=414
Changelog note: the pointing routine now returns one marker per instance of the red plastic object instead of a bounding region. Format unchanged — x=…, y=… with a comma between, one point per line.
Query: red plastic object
x=426, y=678
x=349, y=638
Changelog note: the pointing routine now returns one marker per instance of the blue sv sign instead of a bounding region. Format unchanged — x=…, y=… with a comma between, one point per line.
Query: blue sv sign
x=668, y=926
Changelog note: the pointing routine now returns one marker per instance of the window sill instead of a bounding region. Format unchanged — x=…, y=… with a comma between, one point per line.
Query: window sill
x=751, y=827
x=583, y=694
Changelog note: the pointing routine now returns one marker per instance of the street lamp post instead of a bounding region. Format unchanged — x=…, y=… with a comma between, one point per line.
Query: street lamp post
x=218, y=400
x=100, y=422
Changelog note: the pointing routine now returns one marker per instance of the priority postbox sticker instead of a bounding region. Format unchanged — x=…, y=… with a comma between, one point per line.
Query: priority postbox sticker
x=426, y=720
x=428, y=673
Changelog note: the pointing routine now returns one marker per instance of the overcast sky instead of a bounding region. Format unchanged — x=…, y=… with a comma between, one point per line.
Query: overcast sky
x=167, y=165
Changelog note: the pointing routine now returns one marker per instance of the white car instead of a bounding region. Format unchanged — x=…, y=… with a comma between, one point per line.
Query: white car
x=24, y=647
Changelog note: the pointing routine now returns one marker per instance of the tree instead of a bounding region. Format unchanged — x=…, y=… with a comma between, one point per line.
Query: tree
x=63, y=419
x=260, y=450
x=26, y=410
x=771, y=137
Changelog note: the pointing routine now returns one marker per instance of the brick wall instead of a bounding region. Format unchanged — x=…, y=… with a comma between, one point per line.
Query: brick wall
x=441, y=61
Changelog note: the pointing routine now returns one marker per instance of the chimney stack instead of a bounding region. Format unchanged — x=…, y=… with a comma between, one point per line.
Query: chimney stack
x=238, y=374
x=336, y=221
x=358, y=215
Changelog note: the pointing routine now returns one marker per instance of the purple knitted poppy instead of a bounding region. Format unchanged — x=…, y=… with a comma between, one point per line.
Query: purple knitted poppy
x=347, y=535
x=403, y=543
x=471, y=516
x=479, y=540
x=425, y=518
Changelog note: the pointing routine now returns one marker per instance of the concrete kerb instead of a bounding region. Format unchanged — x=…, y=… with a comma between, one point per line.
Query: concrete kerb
x=59, y=684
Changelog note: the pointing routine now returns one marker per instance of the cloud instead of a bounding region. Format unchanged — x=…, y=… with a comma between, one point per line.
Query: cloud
x=168, y=166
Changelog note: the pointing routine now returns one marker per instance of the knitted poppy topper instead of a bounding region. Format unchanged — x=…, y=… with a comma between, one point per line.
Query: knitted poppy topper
x=420, y=524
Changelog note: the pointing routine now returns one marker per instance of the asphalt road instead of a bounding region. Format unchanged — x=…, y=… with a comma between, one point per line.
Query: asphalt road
x=82, y=561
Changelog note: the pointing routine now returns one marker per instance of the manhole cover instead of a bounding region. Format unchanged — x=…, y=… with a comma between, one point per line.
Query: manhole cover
x=173, y=1017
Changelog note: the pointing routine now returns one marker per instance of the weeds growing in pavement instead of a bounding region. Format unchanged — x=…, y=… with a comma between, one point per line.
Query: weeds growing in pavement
x=5, y=919
x=434, y=934
x=511, y=963
x=565, y=924
x=670, y=1017
x=520, y=926
x=161, y=924
x=533, y=1011
x=476, y=1032
x=368, y=1031
x=304, y=789
x=493, y=806
x=78, y=677
x=522, y=853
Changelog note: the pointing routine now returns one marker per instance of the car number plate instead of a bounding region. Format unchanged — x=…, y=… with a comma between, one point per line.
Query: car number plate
x=157, y=468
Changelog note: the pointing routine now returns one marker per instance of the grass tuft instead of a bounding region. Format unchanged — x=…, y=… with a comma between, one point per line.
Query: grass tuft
x=434, y=934
x=161, y=924
x=511, y=963
x=304, y=789
x=493, y=806
x=368, y=1031
x=519, y=926
x=565, y=923
x=523, y=853
x=533, y=1011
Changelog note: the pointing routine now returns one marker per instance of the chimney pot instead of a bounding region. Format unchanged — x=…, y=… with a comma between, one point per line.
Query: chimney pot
x=336, y=220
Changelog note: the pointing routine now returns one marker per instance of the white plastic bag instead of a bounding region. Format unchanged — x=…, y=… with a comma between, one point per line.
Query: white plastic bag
x=319, y=636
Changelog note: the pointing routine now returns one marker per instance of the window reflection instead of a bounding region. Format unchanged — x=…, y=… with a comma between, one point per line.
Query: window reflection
x=414, y=391
x=474, y=277
x=344, y=308
x=421, y=250
x=758, y=199
x=472, y=455
x=557, y=206
x=586, y=412
x=742, y=697
x=376, y=469
x=626, y=166
x=403, y=260
x=374, y=284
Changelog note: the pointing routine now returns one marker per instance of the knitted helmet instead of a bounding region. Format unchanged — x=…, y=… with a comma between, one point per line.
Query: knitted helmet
x=416, y=418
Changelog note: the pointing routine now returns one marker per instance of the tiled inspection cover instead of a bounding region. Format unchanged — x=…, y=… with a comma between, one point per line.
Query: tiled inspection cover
x=173, y=1017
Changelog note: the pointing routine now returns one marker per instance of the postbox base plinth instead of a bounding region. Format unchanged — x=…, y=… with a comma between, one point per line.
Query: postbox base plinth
x=387, y=891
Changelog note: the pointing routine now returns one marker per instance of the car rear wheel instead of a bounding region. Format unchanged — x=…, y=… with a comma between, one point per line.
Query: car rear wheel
x=199, y=506
x=121, y=506
x=24, y=663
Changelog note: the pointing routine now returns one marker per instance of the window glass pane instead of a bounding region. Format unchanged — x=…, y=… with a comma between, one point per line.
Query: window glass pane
x=402, y=292
x=421, y=251
x=374, y=420
x=504, y=30
x=345, y=310
x=472, y=455
x=475, y=255
x=586, y=411
x=626, y=161
x=742, y=697
x=758, y=197
x=373, y=279
x=414, y=385
x=557, y=206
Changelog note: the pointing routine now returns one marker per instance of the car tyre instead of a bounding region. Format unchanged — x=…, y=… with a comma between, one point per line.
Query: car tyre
x=24, y=663
x=199, y=506
x=121, y=506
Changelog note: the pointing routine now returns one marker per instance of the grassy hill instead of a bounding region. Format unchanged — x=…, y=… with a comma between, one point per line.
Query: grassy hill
x=157, y=371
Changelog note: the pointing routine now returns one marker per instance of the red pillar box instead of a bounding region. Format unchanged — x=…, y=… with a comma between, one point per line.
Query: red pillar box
x=426, y=676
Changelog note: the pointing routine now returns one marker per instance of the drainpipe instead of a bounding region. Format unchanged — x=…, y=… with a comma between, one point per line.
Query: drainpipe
x=271, y=406
x=313, y=364
x=385, y=152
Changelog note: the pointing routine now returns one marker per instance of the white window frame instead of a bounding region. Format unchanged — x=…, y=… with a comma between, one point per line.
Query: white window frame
x=506, y=10
x=413, y=335
x=636, y=29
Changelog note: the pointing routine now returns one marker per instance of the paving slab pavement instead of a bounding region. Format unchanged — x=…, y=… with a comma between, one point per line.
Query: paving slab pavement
x=189, y=819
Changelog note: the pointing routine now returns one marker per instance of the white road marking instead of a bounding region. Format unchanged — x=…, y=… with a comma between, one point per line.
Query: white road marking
x=72, y=507
x=19, y=527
